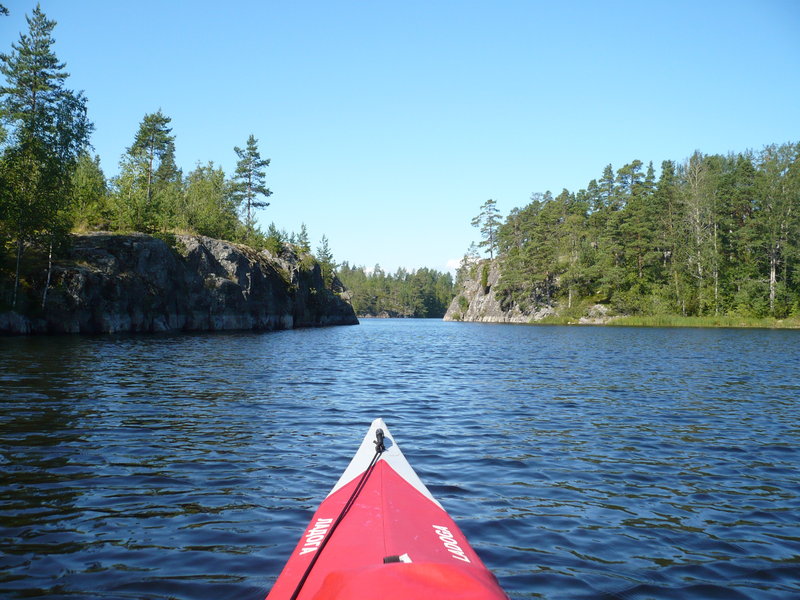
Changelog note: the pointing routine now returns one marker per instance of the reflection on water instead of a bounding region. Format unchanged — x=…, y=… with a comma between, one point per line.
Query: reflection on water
x=580, y=462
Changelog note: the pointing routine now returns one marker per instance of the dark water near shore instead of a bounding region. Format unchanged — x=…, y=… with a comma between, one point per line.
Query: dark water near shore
x=580, y=462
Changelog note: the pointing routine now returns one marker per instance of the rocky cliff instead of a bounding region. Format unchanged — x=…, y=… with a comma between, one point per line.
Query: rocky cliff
x=136, y=283
x=476, y=300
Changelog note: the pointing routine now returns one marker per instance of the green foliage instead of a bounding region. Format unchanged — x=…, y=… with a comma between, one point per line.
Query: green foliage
x=485, y=276
x=714, y=235
x=275, y=239
x=249, y=180
x=171, y=240
x=49, y=183
x=89, y=193
x=424, y=293
x=148, y=188
x=326, y=262
x=48, y=131
x=488, y=221
x=209, y=208
x=302, y=239
x=150, y=194
x=736, y=321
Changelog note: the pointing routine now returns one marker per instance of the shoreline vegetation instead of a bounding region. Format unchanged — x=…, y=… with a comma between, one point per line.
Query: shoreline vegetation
x=678, y=321
x=420, y=294
x=710, y=241
x=52, y=189
x=713, y=241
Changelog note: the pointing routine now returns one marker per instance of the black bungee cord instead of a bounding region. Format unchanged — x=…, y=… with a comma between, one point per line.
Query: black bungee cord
x=380, y=448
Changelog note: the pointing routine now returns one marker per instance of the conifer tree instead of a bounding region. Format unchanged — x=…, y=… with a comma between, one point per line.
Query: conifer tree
x=146, y=184
x=249, y=180
x=302, y=239
x=147, y=188
x=49, y=130
x=156, y=146
x=607, y=187
x=325, y=258
x=488, y=222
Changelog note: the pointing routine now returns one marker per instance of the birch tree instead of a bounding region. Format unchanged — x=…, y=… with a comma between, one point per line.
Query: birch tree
x=777, y=219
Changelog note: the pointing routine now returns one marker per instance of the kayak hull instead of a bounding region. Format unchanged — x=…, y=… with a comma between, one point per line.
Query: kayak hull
x=394, y=535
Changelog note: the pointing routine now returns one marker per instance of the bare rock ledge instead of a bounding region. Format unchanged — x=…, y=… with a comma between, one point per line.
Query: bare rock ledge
x=137, y=283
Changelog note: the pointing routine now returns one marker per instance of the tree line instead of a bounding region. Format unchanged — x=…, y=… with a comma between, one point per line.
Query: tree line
x=151, y=194
x=50, y=184
x=712, y=235
x=421, y=293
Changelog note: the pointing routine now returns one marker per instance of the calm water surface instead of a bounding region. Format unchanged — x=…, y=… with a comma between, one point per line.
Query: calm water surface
x=580, y=462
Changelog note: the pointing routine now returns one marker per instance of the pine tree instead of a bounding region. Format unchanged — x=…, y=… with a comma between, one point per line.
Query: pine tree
x=325, y=258
x=302, y=239
x=146, y=187
x=638, y=226
x=488, y=222
x=249, y=180
x=607, y=187
x=668, y=235
x=49, y=130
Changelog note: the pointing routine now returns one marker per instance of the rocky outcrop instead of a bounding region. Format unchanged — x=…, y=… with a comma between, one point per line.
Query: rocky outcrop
x=476, y=301
x=597, y=314
x=137, y=283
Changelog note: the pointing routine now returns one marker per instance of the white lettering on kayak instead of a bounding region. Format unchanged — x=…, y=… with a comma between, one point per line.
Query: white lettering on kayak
x=315, y=535
x=450, y=542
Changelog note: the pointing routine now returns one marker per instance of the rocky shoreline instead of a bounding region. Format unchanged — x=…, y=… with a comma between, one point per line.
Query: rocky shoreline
x=111, y=283
x=476, y=302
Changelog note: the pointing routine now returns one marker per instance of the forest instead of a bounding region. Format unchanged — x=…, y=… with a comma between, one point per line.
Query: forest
x=422, y=293
x=51, y=186
x=711, y=235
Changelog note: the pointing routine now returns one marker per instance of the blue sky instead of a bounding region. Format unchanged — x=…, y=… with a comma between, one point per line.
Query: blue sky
x=388, y=124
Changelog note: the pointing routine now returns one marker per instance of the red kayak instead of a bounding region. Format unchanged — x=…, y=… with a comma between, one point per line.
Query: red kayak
x=380, y=533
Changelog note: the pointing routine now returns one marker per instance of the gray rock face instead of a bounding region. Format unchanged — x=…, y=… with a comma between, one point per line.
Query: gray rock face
x=137, y=283
x=478, y=303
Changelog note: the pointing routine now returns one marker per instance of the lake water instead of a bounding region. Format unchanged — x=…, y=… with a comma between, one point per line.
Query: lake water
x=580, y=462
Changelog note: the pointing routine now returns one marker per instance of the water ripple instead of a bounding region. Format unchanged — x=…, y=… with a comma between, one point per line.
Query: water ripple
x=580, y=462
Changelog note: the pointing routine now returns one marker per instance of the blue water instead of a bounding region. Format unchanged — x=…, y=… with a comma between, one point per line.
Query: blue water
x=580, y=462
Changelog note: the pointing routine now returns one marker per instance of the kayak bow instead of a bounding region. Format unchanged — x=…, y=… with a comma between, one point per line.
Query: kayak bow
x=381, y=533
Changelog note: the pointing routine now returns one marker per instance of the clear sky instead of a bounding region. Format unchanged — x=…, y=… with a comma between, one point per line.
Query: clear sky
x=388, y=123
